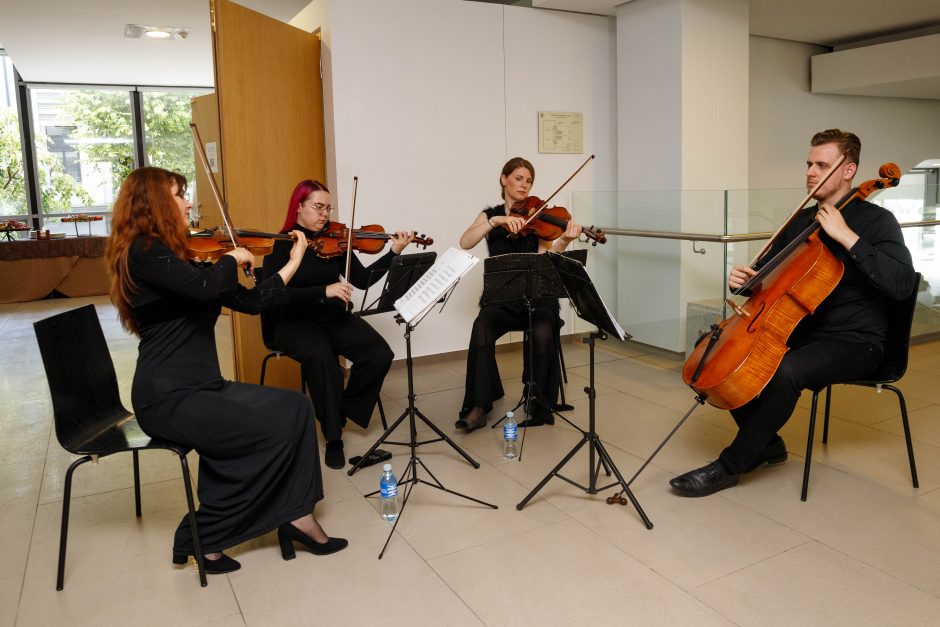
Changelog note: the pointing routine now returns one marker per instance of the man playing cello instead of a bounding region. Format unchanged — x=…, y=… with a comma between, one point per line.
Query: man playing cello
x=843, y=339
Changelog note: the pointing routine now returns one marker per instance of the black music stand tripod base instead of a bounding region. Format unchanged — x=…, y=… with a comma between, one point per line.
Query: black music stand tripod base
x=595, y=447
x=410, y=477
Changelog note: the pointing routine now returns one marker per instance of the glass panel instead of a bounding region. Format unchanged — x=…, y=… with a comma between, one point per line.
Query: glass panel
x=84, y=148
x=168, y=142
x=666, y=291
x=13, y=204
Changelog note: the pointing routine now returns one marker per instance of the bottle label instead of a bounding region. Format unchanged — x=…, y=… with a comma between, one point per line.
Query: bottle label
x=509, y=432
x=389, y=490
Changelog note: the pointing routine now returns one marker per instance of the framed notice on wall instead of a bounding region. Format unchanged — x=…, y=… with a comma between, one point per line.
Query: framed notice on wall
x=561, y=132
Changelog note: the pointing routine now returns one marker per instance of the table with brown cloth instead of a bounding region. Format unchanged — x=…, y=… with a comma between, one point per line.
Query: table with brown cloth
x=33, y=269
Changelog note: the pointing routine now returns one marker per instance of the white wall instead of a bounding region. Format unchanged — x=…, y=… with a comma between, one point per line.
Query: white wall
x=431, y=97
x=784, y=115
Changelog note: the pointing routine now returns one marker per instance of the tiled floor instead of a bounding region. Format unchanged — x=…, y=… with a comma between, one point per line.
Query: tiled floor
x=863, y=550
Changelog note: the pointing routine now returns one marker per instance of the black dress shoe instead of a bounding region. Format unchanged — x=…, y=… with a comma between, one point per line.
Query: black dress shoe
x=704, y=481
x=287, y=534
x=223, y=564
x=773, y=454
x=334, y=457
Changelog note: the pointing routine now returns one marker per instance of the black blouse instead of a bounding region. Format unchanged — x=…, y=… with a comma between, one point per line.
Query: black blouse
x=307, y=289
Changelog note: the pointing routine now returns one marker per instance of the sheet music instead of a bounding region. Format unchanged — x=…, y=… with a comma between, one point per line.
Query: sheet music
x=447, y=270
x=620, y=332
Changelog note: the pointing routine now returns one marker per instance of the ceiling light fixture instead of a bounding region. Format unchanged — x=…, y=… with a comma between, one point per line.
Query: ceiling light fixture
x=136, y=31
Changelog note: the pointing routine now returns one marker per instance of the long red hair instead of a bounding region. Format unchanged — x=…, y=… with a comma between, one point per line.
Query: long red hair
x=303, y=189
x=145, y=207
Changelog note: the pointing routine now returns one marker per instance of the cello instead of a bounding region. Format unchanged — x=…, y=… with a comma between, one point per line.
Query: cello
x=744, y=351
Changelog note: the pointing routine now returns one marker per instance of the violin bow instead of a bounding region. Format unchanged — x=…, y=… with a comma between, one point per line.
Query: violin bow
x=555, y=193
x=809, y=196
x=223, y=205
x=349, y=237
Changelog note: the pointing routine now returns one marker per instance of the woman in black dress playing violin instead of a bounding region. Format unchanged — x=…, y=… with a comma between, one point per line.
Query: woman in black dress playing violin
x=500, y=226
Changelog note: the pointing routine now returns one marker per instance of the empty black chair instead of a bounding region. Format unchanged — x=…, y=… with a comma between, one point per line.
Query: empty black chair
x=892, y=368
x=89, y=417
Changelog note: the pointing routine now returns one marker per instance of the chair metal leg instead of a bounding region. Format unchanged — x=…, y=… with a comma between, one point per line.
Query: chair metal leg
x=194, y=528
x=907, y=432
x=264, y=366
x=136, y=484
x=825, y=438
x=809, y=444
x=64, y=534
x=382, y=415
x=561, y=360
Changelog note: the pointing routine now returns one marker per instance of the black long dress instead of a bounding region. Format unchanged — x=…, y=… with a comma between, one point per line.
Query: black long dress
x=483, y=384
x=314, y=330
x=259, y=464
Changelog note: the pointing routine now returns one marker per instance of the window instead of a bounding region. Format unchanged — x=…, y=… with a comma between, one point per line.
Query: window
x=168, y=142
x=13, y=201
x=84, y=149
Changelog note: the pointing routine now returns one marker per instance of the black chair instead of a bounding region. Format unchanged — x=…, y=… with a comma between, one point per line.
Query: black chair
x=89, y=417
x=268, y=322
x=892, y=368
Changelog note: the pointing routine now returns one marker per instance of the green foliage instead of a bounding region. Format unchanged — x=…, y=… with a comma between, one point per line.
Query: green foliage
x=99, y=114
x=59, y=190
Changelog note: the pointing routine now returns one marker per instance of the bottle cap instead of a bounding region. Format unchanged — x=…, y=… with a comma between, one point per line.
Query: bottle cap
x=509, y=414
x=387, y=467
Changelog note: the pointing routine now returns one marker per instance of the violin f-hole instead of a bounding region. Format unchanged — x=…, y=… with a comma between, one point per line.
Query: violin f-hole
x=752, y=324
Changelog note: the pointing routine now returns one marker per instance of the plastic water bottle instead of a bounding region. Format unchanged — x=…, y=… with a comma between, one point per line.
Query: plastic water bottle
x=388, y=486
x=510, y=433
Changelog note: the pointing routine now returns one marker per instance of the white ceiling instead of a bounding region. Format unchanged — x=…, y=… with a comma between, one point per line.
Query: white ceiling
x=82, y=41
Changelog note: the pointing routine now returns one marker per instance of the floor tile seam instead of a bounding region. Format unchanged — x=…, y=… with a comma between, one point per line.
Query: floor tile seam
x=861, y=560
x=241, y=612
x=463, y=601
x=130, y=487
x=734, y=572
x=32, y=531
x=535, y=527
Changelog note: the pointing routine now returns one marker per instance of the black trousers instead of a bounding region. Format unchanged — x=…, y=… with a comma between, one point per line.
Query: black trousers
x=813, y=365
x=317, y=346
x=483, y=384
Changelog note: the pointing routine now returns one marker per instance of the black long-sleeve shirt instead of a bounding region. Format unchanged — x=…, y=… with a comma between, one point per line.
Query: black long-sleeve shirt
x=877, y=267
x=307, y=289
x=176, y=305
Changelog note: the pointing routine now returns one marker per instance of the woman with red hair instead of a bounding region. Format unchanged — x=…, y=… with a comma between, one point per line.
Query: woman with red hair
x=315, y=328
x=259, y=467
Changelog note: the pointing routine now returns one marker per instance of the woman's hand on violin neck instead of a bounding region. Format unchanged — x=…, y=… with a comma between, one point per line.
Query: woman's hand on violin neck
x=340, y=290
x=296, y=256
x=242, y=256
x=571, y=233
x=299, y=247
x=400, y=239
x=739, y=276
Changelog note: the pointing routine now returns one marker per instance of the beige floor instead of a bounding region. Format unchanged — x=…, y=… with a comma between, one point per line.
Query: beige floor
x=864, y=549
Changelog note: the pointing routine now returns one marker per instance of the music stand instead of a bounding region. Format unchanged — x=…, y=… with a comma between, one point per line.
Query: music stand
x=410, y=477
x=590, y=308
x=525, y=277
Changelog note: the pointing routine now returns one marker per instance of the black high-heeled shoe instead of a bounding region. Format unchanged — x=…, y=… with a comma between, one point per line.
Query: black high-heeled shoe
x=223, y=564
x=287, y=534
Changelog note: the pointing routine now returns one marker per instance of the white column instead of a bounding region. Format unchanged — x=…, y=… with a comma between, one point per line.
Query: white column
x=682, y=88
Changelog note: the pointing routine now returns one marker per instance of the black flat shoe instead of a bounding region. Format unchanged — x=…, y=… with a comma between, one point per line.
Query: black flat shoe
x=472, y=420
x=223, y=564
x=287, y=534
x=334, y=457
x=704, y=481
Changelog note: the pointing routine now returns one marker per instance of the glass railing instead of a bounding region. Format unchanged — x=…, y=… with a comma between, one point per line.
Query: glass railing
x=663, y=270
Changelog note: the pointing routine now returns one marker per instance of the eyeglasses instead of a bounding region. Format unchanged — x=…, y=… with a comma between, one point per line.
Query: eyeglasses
x=319, y=207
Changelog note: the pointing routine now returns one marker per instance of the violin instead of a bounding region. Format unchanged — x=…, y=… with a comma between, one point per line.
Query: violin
x=209, y=245
x=550, y=223
x=333, y=240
